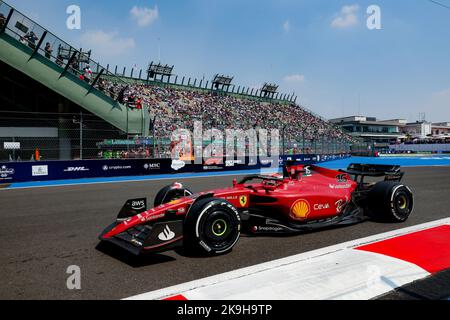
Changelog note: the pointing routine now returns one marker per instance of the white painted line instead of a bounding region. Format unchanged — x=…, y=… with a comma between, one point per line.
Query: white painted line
x=335, y=272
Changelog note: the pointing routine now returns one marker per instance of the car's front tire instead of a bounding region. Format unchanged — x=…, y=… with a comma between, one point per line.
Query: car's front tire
x=212, y=226
x=391, y=201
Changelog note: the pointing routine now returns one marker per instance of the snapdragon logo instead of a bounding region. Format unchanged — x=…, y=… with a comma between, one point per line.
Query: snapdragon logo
x=267, y=228
x=73, y=21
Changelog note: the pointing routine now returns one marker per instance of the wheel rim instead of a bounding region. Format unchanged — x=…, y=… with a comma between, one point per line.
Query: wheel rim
x=219, y=227
x=402, y=202
x=218, y=230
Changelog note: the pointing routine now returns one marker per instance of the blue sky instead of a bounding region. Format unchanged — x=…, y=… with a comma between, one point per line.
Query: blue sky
x=319, y=49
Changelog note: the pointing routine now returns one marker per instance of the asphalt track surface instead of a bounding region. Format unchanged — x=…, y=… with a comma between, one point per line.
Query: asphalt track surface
x=45, y=230
x=436, y=287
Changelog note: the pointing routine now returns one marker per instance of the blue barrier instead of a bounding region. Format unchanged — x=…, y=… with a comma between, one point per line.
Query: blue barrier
x=11, y=172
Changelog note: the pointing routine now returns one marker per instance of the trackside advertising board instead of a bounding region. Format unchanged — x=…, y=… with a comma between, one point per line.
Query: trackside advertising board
x=11, y=172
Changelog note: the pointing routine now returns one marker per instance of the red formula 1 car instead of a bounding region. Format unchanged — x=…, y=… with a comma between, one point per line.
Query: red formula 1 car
x=304, y=198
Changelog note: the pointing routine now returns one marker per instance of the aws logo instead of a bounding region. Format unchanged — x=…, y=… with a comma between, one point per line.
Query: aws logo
x=300, y=209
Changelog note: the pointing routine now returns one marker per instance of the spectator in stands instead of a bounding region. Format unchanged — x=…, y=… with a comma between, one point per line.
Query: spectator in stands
x=48, y=50
x=59, y=60
x=121, y=95
x=2, y=20
x=24, y=40
x=101, y=85
x=75, y=64
x=31, y=39
x=139, y=103
x=87, y=74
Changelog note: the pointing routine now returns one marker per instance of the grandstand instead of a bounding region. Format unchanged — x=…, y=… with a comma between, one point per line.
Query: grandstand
x=178, y=108
x=85, y=103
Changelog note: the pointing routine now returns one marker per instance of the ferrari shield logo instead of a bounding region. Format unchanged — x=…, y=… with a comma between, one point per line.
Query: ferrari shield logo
x=243, y=201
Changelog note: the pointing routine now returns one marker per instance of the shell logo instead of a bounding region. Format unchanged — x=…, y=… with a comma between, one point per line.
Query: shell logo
x=300, y=209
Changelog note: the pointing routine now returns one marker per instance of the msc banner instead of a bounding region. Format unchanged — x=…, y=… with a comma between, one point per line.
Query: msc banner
x=11, y=172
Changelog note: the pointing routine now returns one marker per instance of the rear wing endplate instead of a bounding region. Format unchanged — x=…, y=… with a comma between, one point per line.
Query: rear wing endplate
x=390, y=172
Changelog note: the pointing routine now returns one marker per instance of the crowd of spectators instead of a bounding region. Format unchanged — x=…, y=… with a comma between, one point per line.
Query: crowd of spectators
x=134, y=153
x=179, y=108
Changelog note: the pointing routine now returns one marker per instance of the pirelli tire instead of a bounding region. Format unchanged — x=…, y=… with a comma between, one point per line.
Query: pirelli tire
x=170, y=193
x=391, y=201
x=212, y=227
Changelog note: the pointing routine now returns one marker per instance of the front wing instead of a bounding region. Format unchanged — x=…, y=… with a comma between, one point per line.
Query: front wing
x=157, y=237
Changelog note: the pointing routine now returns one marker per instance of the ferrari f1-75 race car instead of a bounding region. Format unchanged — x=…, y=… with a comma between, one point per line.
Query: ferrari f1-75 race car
x=304, y=198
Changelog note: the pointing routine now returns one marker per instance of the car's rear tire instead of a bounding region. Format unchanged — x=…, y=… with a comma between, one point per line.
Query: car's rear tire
x=212, y=226
x=170, y=193
x=391, y=201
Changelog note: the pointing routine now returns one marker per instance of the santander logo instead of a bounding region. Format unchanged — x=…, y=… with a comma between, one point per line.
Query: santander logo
x=167, y=234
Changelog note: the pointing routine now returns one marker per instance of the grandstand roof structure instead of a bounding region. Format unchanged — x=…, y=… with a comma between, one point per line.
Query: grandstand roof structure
x=157, y=69
x=222, y=82
x=269, y=90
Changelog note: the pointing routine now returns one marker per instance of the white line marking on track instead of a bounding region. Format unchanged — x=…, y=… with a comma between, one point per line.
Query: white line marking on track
x=335, y=272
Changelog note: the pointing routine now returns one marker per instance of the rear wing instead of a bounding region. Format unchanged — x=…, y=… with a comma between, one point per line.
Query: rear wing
x=389, y=172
